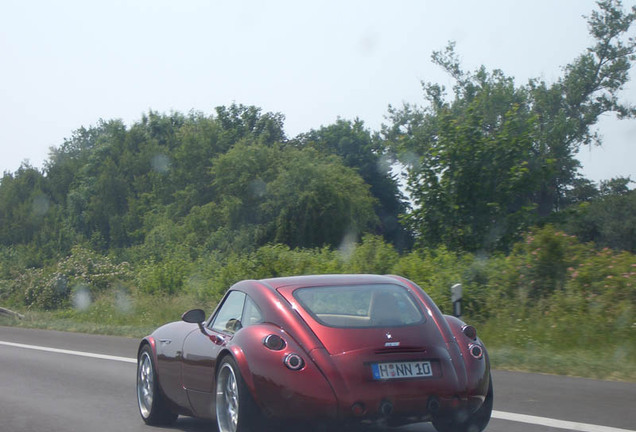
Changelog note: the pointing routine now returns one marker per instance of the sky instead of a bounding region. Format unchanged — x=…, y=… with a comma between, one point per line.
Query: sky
x=67, y=64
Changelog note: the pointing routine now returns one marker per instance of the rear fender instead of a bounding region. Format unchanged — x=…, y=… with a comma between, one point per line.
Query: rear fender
x=477, y=368
x=277, y=389
x=239, y=355
x=454, y=351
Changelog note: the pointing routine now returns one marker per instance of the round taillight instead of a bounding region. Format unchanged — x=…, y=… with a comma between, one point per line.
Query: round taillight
x=274, y=342
x=470, y=332
x=476, y=351
x=294, y=361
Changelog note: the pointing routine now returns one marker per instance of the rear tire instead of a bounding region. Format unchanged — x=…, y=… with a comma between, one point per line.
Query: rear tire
x=475, y=422
x=235, y=408
x=152, y=404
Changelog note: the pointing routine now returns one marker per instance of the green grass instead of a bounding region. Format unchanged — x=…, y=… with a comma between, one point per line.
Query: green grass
x=606, y=363
x=112, y=315
x=49, y=321
x=580, y=346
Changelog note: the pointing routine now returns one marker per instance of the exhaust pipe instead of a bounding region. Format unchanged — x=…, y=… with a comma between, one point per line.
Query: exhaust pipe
x=433, y=405
x=386, y=408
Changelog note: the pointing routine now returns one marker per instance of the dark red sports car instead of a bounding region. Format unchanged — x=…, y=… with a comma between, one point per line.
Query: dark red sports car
x=324, y=350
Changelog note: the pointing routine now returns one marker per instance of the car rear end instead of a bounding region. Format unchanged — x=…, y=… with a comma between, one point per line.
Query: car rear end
x=387, y=352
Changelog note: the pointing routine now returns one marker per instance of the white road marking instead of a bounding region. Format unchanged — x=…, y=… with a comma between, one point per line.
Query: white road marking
x=500, y=415
x=559, y=424
x=69, y=352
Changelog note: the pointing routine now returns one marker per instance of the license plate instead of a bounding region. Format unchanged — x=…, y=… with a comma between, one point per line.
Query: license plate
x=394, y=370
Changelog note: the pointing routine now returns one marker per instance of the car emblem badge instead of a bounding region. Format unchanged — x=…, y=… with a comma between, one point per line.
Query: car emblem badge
x=389, y=336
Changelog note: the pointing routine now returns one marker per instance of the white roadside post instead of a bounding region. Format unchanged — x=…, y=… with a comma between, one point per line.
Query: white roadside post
x=456, y=297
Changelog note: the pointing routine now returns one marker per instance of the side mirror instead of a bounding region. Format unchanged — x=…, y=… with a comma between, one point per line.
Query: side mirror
x=194, y=316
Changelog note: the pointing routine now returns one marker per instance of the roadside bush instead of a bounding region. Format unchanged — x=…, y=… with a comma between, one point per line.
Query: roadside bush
x=552, y=291
x=44, y=290
x=372, y=255
x=98, y=272
x=435, y=271
x=164, y=277
x=543, y=259
x=280, y=260
x=54, y=287
x=273, y=261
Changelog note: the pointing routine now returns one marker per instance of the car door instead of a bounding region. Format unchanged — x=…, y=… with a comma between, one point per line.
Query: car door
x=200, y=351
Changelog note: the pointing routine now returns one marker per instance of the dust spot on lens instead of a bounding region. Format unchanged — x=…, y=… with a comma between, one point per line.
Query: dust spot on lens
x=409, y=159
x=41, y=205
x=82, y=298
x=123, y=303
x=257, y=188
x=160, y=163
x=348, y=244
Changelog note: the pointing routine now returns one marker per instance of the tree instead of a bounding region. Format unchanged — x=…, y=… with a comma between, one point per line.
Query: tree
x=192, y=159
x=299, y=197
x=361, y=150
x=317, y=201
x=23, y=205
x=608, y=220
x=240, y=121
x=498, y=157
x=615, y=186
x=568, y=109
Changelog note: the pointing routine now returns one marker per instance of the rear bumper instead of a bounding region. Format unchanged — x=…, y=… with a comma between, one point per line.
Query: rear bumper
x=362, y=397
x=390, y=408
x=400, y=408
x=343, y=388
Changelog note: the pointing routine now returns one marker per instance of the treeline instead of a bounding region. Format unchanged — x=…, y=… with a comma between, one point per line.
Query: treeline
x=233, y=182
x=482, y=167
x=227, y=182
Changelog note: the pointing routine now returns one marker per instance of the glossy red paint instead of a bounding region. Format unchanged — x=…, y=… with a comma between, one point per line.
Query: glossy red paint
x=336, y=382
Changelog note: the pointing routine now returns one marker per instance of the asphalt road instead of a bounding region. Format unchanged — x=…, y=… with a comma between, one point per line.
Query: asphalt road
x=61, y=390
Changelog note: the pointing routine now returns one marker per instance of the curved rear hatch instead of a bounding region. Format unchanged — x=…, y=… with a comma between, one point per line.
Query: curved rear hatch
x=383, y=349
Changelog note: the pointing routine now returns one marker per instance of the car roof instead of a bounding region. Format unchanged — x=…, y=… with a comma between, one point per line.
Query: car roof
x=328, y=280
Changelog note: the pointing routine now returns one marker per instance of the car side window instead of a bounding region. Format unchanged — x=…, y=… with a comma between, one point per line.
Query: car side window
x=228, y=319
x=251, y=313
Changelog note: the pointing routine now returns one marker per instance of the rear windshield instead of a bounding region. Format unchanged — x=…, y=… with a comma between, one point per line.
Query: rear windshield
x=359, y=306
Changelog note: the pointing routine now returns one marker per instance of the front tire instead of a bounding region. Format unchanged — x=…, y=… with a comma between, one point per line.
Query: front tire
x=235, y=408
x=152, y=404
x=475, y=422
